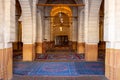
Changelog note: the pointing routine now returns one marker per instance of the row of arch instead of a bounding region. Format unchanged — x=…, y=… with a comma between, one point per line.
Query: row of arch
x=26, y=12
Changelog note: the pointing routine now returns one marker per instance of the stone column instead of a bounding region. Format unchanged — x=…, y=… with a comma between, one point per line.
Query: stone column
x=7, y=35
x=92, y=34
x=28, y=30
x=74, y=34
x=86, y=16
x=34, y=19
x=39, y=45
x=47, y=29
x=81, y=44
x=112, y=38
x=74, y=30
x=34, y=23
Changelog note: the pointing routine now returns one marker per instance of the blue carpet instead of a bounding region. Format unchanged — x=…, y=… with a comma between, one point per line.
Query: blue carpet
x=58, y=68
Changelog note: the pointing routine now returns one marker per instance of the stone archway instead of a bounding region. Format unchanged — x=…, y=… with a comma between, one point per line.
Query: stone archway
x=67, y=14
x=61, y=25
x=7, y=36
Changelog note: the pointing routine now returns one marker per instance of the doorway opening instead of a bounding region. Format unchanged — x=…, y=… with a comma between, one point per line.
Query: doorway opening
x=61, y=26
x=61, y=40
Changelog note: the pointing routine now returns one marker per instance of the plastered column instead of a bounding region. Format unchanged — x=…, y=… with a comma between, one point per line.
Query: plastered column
x=7, y=35
x=47, y=29
x=34, y=19
x=39, y=44
x=81, y=43
x=28, y=29
x=112, y=38
x=92, y=30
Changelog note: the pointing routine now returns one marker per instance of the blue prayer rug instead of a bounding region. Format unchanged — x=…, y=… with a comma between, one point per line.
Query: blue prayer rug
x=58, y=68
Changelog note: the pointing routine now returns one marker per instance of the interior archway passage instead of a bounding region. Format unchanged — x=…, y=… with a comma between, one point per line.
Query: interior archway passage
x=61, y=21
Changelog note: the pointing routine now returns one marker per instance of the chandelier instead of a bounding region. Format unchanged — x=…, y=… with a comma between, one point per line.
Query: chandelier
x=60, y=15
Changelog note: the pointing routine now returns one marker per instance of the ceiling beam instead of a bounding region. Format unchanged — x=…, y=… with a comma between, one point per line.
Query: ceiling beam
x=74, y=5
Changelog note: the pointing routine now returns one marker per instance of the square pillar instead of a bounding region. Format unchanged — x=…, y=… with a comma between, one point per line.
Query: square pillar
x=91, y=52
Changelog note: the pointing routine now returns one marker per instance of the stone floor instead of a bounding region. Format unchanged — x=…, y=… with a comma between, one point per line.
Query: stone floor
x=16, y=77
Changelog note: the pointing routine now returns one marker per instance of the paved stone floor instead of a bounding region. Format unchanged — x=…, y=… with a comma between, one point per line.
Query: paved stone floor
x=17, y=77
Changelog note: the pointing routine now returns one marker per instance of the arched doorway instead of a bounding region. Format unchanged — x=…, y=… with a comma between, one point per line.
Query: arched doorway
x=61, y=25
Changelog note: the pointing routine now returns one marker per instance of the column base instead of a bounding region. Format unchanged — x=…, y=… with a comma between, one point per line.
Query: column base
x=112, y=64
x=81, y=48
x=10, y=63
x=28, y=52
x=74, y=45
x=91, y=52
x=39, y=48
x=6, y=59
